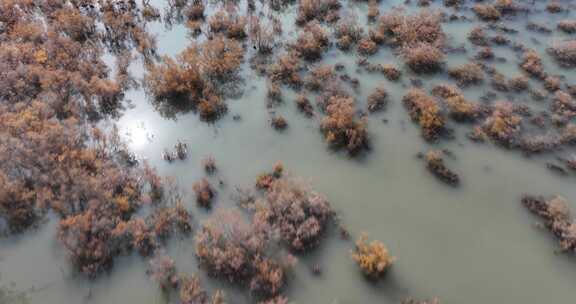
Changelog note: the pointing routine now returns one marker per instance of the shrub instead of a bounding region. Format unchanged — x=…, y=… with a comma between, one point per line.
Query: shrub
x=347, y=33
x=300, y=215
x=319, y=76
x=220, y=58
x=532, y=64
x=425, y=110
x=487, y=12
x=341, y=129
x=554, y=7
x=564, y=53
x=503, y=125
x=485, y=53
x=209, y=164
x=564, y=105
x=232, y=26
x=466, y=74
x=478, y=37
x=304, y=105
x=519, y=83
x=567, y=26
x=229, y=248
x=506, y=6
x=163, y=271
x=423, y=57
x=373, y=258
x=312, y=42
x=391, y=72
x=367, y=47
x=286, y=70
x=406, y=30
x=378, y=99
x=461, y=109
x=279, y=122
x=191, y=292
x=435, y=165
x=204, y=192
x=557, y=218
x=320, y=10
x=373, y=10
x=552, y=83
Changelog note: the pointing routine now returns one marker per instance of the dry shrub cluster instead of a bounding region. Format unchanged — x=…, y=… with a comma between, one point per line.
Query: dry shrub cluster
x=347, y=33
x=191, y=79
x=286, y=70
x=378, y=99
x=459, y=108
x=503, y=125
x=204, y=192
x=557, y=218
x=567, y=26
x=191, y=292
x=312, y=42
x=532, y=64
x=295, y=212
x=231, y=25
x=373, y=257
x=278, y=122
x=319, y=10
x=564, y=53
x=419, y=38
x=319, y=76
x=487, y=12
x=564, y=105
x=228, y=247
x=466, y=74
x=435, y=165
x=424, y=109
x=304, y=105
x=341, y=128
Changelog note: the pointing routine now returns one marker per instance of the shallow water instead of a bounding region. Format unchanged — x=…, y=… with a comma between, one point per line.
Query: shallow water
x=473, y=244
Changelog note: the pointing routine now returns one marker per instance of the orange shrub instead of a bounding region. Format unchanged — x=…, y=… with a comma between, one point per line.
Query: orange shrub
x=341, y=129
x=372, y=258
x=425, y=110
x=423, y=57
x=466, y=74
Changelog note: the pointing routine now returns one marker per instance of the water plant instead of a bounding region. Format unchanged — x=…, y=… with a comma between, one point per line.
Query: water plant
x=372, y=257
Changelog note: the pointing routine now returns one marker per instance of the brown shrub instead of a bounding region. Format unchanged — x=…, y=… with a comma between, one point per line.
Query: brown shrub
x=162, y=269
x=519, y=83
x=367, y=47
x=461, y=109
x=220, y=58
x=311, y=43
x=552, y=83
x=466, y=74
x=435, y=165
x=554, y=7
x=506, y=6
x=233, y=26
x=278, y=122
x=487, y=12
x=372, y=258
x=373, y=10
x=286, y=70
x=319, y=76
x=405, y=30
x=304, y=105
x=204, y=192
x=564, y=105
x=567, y=26
x=378, y=99
x=191, y=292
x=300, y=215
x=503, y=125
x=425, y=111
x=320, y=10
x=445, y=91
x=229, y=248
x=347, y=33
x=391, y=72
x=340, y=127
x=209, y=164
x=423, y=57
x=485, y=53
x=564, y=53
x=532, y=64
x=557, y=218
x=478, y=37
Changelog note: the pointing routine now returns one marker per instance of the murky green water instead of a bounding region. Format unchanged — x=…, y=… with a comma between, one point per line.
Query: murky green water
x=473, y=244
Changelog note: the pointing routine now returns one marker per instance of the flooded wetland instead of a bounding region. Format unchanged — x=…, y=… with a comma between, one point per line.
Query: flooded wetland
x=307, y=151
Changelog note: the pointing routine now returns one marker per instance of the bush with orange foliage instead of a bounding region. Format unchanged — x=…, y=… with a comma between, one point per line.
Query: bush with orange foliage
x=340, y=127
x=424, y=109
x=319, y=10
x=367, y=47
x=564, y=105
x=564, y=53
x=296, y=212
x=233, y=26
x=466, y=74
x=567, y=26
x=319, y=76
x=191, y=292
x=347, y=33
x=487, y=12
x=220, y=58
x=435, y=164
x=311, y=43
x=204, y=192
x=265, y=180
x=372, y=258
x=423, y=57
x=503, y=125
x=406, y=30
x=286, y=70
x=304, y=105
x=231, y=249
x=557, y=218
x=378, y=99
x=532, y=64
x=162, y=269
